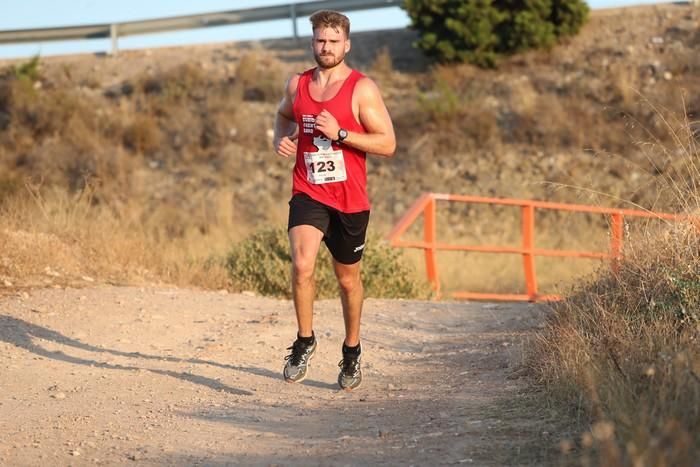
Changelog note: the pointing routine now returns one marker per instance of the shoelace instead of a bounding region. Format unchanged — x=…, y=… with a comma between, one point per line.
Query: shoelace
x=349, y=365
x=298, y=351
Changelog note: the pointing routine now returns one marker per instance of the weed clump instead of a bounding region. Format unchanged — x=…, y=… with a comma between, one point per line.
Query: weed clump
x=262, y=263
x=28, y=71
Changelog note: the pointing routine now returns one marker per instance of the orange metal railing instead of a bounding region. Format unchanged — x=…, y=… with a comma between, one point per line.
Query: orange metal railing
x=426, y=205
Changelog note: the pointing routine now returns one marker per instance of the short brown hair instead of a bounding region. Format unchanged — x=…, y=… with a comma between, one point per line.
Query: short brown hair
x=330, y=19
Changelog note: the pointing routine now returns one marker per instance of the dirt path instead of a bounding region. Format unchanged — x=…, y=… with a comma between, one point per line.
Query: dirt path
x=156, y=376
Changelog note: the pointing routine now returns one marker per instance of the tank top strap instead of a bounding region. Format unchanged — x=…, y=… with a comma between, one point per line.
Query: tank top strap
x=349, y=85
x=303, y=84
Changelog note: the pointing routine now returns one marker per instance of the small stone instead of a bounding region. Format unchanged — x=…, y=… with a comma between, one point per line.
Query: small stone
x=668, y=75
x=59, y=396
x=50, y=272
x=75, y=453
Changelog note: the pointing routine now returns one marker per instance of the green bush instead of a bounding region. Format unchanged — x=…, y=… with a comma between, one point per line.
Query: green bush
x=28, y=71
x=528, y=25
x=262, y=263
x=478, y=31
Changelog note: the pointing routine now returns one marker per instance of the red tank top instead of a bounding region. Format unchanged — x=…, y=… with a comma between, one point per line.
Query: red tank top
x=332, y=174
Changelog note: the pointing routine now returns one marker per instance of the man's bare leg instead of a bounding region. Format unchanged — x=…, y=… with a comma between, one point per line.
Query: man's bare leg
x=305, y=241
x=351, y=297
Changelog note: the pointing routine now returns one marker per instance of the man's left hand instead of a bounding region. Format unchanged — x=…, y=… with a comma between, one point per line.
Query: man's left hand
x=327, y=124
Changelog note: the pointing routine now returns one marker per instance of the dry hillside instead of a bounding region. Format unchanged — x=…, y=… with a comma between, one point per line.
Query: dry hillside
x=176, y=142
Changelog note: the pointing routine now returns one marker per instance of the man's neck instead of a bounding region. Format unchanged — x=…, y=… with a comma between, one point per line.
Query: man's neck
x=324, y=76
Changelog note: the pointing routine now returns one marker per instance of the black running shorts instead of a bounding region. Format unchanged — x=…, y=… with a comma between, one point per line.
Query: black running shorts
x=344, y=234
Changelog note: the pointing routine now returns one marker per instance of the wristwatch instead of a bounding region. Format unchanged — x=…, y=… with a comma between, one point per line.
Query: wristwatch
x=342, y=134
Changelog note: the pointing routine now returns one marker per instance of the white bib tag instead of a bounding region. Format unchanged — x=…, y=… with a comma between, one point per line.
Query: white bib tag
x=325, y=165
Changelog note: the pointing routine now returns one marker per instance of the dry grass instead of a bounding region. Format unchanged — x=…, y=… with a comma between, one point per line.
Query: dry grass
x=624, y=350
x=51, y=237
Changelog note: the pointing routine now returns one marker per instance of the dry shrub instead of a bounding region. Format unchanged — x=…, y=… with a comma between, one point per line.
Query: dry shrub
x=524, y=97
x=143, y=135
x=258, y=79
x=457, y=116
x=625, y=82
x=44, y=112
x=382, y=66
x=176, y=84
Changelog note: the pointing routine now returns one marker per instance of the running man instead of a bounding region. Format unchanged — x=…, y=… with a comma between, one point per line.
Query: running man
x=330, y=117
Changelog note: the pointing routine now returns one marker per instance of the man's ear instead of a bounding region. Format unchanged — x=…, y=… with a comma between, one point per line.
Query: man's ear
x=347, y=46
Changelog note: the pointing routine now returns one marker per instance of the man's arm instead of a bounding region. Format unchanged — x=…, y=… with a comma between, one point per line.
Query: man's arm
x=285, y=136
x=374, y=116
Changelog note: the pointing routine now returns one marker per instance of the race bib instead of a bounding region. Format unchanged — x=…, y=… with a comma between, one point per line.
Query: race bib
x=325, y=167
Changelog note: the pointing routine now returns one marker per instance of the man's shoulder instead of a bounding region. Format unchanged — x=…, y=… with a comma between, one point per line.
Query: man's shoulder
x=293, y=80
x=293, y=83
x=366, y=86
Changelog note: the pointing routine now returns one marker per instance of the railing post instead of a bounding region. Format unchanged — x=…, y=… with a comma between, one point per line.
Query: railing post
x=429, y=235
x=293, y=15
x=528, y=225
x=114, y=35
x=616, y=234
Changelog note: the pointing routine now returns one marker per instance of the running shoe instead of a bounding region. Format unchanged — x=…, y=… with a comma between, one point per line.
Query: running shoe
x=350, y=376
x=298, y=361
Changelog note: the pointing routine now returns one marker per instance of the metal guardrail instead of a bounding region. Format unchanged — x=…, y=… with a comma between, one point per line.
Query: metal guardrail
x=426, y=205
x=224, y=18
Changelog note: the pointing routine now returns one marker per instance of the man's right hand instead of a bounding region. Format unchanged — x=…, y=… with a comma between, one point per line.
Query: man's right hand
x=287, y=146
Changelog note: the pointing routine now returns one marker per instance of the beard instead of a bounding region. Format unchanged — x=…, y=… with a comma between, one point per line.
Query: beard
x=328, y=61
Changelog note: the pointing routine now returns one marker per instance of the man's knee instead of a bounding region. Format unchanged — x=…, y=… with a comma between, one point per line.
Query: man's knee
x=349, y=282
x=302, y=269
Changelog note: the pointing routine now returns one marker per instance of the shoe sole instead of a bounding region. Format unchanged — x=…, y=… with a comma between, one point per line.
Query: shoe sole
x=308, y=363
x=349, y=389
x=352, y=389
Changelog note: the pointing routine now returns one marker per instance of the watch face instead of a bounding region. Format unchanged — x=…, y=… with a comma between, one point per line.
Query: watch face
x=342, y=134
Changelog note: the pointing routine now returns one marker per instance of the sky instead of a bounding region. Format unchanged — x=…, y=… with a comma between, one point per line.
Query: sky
x=31, y=14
